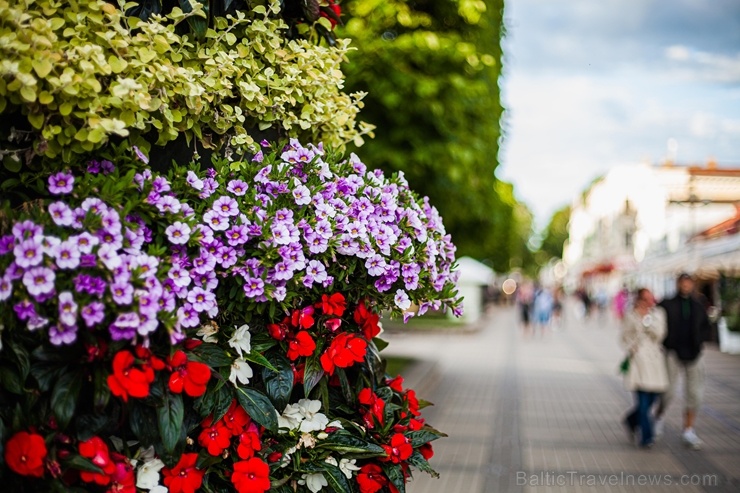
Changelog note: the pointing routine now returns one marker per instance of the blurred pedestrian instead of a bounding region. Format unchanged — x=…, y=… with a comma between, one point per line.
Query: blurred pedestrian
x=644, y=328
x=688, y=329
x=621, y=300
x=542, y=308
x=524, y=299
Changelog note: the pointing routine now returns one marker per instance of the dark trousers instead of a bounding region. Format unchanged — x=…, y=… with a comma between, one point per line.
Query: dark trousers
x=640, y=415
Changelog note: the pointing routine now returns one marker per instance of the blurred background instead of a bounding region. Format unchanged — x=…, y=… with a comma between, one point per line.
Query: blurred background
x=585, y=145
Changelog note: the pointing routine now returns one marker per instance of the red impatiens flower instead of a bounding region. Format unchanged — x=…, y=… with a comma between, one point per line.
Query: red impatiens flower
x=184, y=477
x=344, y=351
x=123, y=479
x=302, y=318
x=334, y=304
x=191, y=376
x=395, y=383
x=249, y=442
x=215, y=437
x=333, y=324
x=128, y=380
x=278, y=331
x=236, y=418
x=25, y=454
x=371, y=478
x=413, y=402
x=301, y=345
x=426, y=451
x=399, y=449
x=97, y=451
x=367, y=320
x=375, y=405
x=251, y=476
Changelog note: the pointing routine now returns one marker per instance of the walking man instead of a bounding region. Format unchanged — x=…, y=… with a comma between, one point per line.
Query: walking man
x=688, y=328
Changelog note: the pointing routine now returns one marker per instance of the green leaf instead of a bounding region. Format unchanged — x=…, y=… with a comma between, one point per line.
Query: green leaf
x=42, y=67
x=380, y=343
x=420, y=437
x=349, y=397
x=19, y=354
x=101, y=392
x=344, y=442
x=278, y=384
x=312, y=374
x=80, y=463
x=10, y=380
x=257, y=358
x=212, y=355
x=143, y=421
x=170, y=416
x=337, y=480
x=65, y=395
x=395, y=474
x=258, y=406
x=417, y=460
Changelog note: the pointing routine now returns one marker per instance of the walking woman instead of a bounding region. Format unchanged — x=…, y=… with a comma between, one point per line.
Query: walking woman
x=643, y=332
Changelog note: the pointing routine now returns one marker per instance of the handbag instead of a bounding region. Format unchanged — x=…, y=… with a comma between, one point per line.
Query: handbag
x=624, y=366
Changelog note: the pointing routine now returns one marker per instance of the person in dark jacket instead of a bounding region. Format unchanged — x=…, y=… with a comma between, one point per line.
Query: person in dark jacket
x=688, y=329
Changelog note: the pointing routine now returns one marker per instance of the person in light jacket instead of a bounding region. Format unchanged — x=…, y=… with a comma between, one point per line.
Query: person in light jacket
x=644, y=328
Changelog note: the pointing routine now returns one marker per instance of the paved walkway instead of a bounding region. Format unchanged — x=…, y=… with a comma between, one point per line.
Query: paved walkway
x=543, y=414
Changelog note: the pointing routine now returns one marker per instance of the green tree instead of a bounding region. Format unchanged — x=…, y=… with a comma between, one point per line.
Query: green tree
x=556, y=233
x=431, y=69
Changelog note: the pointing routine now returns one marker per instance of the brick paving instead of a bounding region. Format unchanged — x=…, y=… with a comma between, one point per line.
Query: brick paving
x=543, y=414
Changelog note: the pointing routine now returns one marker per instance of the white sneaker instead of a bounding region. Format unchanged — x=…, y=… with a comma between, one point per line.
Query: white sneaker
x=691, y=440
x=658, y=427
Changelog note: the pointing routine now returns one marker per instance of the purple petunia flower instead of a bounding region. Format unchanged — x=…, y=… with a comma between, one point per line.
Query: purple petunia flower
x=216, y=221
x=122, y=293
x=237, y=235
x=25, y=310
x=180, y=276
x=402, y=300
x=67, y=255
x=226, y=206
x=188, y=316
x=26, y=229
x=85, y=242
x=315, y=272
x=237, y=187
x=193, y=180
x=93, y=313
x=28, y=253
x=201, y=299
x=148, y=324
x=61, y=214
x=142, y=157
x=375, y=265
x=67, y=309
x=62, y=334
x=6, y=288
x=39, y=281
x=253, y=286
x=226, y=256
x=61, y=183
x=107, y=167
x=124, y=327
x=178, y=233
x=258, y=158
x=302, y=195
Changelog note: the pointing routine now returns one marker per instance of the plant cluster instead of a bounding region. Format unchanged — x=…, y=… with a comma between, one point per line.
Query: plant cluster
x=214, y=329
x=74, y=75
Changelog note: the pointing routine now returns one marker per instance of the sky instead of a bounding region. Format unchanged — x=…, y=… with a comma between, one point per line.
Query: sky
x=589, y=84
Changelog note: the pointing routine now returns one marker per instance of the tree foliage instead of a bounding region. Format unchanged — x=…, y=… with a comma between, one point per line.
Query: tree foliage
x=431, y=70
x=556, y=233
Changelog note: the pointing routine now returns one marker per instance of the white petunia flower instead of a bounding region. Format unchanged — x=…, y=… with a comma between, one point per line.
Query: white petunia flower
x=147, y=477
x=241, y=340
x=241, y=371
x=314, y=481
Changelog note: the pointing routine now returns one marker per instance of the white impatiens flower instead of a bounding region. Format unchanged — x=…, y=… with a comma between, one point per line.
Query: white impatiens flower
x=241, y=371
x=241, y=340
x=334, y=424
x=208, y=333
x=314, y=481
x=313, y=420
x=291, y=417
x=347, y=466
x=147, y=477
